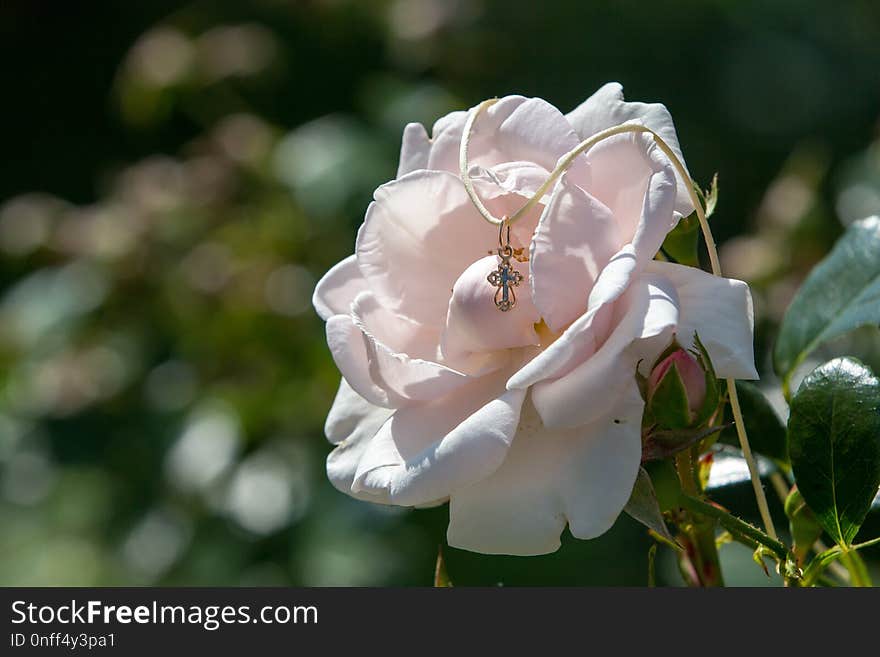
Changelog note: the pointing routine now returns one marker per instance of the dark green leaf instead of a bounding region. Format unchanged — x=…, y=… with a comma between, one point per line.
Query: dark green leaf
x=643, y=506
x=664, y=480
x=681, y=243
x=765, y=429
x=840, y=294
x=834, y=444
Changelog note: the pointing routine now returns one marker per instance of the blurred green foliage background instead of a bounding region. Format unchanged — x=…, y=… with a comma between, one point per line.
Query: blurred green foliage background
x=177, y=175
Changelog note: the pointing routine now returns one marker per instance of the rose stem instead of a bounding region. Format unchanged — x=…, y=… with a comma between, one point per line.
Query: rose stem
x=699, y=531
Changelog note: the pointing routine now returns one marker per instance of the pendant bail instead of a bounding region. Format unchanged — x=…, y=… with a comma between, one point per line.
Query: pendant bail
x=505, y=277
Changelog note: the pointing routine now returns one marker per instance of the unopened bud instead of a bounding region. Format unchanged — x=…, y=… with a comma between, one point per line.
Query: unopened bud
x=677, y=389
x=681, y=399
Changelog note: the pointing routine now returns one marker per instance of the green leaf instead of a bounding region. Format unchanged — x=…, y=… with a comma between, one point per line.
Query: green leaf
x=823, y=559
x=766, y=432
x=711, y=196
x=758, y=557
x=644, y=507
x=664, y=480
x=858, y=570
x=682, y=241
x=834, y=444
x=840, y=294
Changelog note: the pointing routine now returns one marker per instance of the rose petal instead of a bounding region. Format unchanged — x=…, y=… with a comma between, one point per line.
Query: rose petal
x=575, y=239
x=351, y=424
x=505, y=188
x=635, y=180
x=582, y=476
x=424, y=452
x=615, y=278
x=720, y=311
x=346, y=342
x=350, y=415
x=338, y=288
x=523, y=178
x=474, y=324
x=648, y=309
x=401, y=376
x=342, y=464
x=414, y=149
x=513, y=129
x=418, y=236
x=579, y=341
x=445, y=133
x=606, y=108
x=400, y=334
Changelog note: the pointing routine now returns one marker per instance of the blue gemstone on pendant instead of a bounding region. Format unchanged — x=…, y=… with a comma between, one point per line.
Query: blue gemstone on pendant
x=505, y=278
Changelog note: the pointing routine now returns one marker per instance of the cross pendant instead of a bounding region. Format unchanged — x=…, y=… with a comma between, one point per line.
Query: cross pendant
x=505, y=278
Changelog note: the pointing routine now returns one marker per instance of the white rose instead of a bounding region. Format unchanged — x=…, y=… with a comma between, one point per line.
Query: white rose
x=531, y=419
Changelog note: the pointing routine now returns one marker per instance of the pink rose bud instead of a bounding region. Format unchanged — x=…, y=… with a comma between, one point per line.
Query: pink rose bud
x=692, y=376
